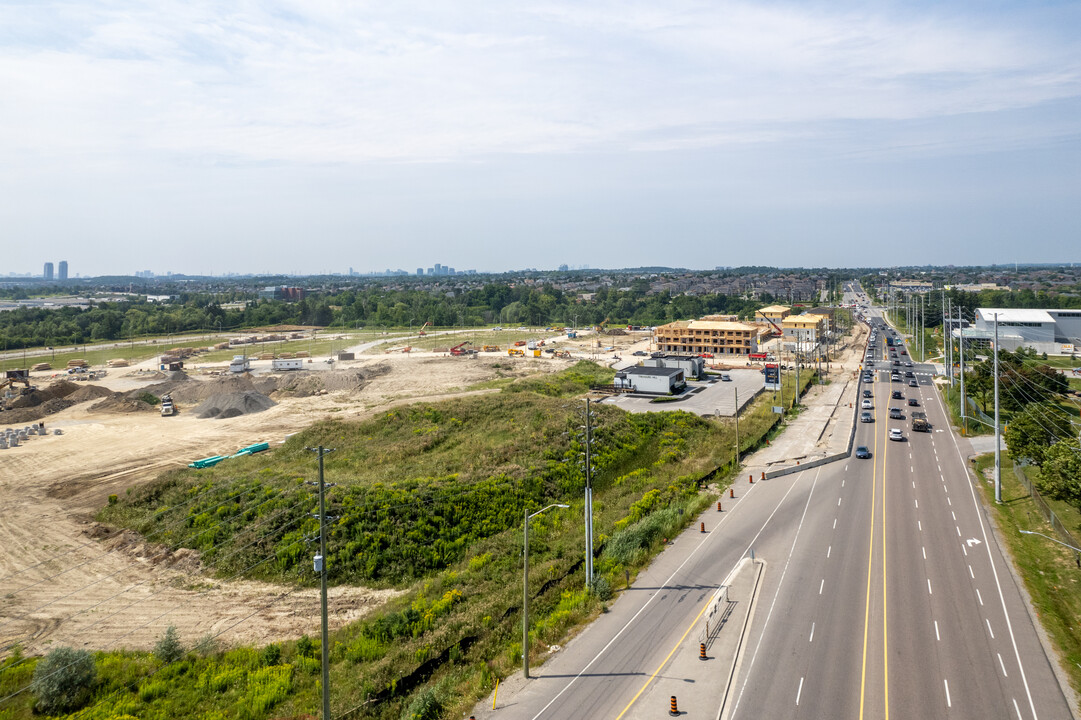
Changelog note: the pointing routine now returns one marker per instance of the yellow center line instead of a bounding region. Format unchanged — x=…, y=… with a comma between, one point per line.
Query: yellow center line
x=870, y=560
x=885, y=647
x=663, y=662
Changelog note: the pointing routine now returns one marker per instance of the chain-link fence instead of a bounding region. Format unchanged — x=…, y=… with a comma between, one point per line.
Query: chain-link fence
x=1045, y=510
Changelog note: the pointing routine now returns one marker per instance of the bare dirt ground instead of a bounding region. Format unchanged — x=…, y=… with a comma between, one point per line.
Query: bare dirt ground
x=64, y=579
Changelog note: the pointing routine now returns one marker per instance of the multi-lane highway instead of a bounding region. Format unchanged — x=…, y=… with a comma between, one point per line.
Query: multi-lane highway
x=885, y=593
x=897, y=598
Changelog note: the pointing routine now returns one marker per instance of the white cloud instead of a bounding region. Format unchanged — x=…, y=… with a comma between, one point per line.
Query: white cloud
x=330, y=82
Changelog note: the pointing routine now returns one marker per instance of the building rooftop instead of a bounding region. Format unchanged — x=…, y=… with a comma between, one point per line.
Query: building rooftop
x=774, y=309
x=1015, y=315
x=654, y=371
x=708, y=325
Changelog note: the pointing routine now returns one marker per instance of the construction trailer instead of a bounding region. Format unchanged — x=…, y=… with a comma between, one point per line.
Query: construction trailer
x=287, y=364
x=239, y=364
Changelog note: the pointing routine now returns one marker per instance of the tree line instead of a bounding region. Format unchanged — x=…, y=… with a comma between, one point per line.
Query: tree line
x=494, y=303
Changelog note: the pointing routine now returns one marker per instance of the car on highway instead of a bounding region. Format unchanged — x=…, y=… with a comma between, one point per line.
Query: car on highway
x=908, y=374
x=913, y=383
x=895, y=377
x=913, y=402
x=725, y=377
x=895, y=434
x=904, y=352
x=866, y=417
x=870, y=363
x=868, y=393
x=862, y=452
x=897, y=395
x=896, y=414
x=908, y=363
x=867, y=405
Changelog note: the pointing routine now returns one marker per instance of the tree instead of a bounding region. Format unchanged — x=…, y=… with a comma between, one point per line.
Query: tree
x=1060, y=475
x=63, y=680
x=1034, y=430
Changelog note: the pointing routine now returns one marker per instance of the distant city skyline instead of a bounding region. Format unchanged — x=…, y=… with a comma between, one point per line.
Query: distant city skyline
x=308, y=138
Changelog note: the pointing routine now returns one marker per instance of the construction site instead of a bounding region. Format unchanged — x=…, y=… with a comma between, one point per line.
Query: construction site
x=84, y=433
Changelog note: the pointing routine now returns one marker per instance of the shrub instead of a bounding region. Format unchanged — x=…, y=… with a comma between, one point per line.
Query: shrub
x=272, y=653
x=168, y=648
x=63, y=680
x=602, y=588
x=426, y=705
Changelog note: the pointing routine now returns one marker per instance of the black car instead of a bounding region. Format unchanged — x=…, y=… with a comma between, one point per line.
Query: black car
x=913, y=402
x=868, y=393
x=898, y=395
x=908, y=374
x=862, y=452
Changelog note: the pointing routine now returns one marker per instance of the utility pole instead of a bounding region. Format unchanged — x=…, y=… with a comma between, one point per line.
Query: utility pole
x=589, y=494
x=321, y=568
x=961, y=369
x=998, y=428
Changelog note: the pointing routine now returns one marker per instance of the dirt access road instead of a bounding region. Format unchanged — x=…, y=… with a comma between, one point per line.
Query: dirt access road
x=64, y=580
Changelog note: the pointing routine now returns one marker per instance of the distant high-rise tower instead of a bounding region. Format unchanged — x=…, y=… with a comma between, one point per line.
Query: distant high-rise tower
x=63, y=270
x=48, y=271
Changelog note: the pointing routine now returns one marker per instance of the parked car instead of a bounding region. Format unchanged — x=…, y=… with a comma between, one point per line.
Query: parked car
x=913, y=402
x=895, y=434
x=640, y=353
x=725, y=377
x=862, y=452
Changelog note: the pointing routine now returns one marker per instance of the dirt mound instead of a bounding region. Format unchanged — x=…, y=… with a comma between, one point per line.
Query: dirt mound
x=89, y=392
x=121, y=403
x=193, y=392
x=62, y=388
x=227, y=405
x=304, y=384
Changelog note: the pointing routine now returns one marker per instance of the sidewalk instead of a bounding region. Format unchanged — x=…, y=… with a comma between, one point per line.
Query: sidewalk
x=824, y=425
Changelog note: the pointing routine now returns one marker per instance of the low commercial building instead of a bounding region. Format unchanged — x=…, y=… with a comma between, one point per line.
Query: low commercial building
x=654, y=380
x=1055, y=332
x=692, y=366
x=697, y=337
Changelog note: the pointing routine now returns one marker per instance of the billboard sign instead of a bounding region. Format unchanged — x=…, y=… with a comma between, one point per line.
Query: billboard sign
x=773, y=376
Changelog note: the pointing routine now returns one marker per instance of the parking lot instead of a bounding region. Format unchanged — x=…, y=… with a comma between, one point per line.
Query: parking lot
x=700, y=398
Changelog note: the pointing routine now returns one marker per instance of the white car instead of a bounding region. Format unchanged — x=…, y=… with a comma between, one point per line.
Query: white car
x=895, y=434
x=867, y=405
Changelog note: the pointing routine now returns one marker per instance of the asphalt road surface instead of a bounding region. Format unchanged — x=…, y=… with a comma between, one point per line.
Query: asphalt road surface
x=885, y=593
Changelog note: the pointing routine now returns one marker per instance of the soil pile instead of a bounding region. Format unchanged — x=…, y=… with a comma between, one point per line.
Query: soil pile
x=58, y=389
x=89, y=392
x=38, y=403
x=307, y=383
x=121, y=403
x=227, y=405
x=192, y=392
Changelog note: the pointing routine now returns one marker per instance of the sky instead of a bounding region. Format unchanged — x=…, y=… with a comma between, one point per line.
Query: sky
x=312, y=136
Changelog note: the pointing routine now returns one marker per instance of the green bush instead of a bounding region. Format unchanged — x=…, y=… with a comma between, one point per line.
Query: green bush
x=63, y=680
x=426, y=705
x=168, y=648
x=627, y=544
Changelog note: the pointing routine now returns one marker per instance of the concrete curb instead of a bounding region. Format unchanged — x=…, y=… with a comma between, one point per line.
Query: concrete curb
x=737, y=658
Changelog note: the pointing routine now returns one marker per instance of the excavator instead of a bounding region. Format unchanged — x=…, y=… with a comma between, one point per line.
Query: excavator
x=11, y=379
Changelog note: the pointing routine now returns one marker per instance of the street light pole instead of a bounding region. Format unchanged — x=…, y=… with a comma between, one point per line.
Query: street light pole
x=998, y=428
x=525, y=585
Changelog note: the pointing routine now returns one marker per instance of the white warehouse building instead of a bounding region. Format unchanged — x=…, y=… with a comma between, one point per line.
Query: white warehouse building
x=1055, y=332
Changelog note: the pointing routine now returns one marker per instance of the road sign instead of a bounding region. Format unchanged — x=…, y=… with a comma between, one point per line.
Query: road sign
x=778, y=410
x=773, y=376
